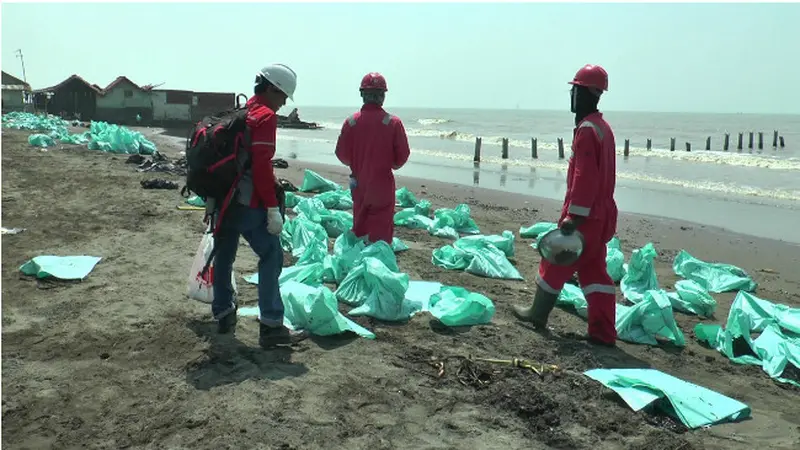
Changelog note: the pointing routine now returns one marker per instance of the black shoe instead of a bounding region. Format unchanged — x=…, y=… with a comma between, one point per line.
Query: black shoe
x=269, y=337
x=227, y=324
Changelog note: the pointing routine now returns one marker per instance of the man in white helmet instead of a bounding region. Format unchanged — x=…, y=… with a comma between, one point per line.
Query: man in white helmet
x=255, y=214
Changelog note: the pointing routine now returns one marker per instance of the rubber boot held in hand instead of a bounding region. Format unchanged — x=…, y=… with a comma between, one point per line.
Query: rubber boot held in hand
x=538, y=313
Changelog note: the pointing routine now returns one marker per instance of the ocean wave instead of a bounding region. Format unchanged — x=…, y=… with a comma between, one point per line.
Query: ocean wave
x=733, y=158
x=711, y=186
x=434, y=121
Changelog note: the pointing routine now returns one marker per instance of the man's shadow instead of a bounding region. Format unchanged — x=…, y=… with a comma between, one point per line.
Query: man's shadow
x=230, y=361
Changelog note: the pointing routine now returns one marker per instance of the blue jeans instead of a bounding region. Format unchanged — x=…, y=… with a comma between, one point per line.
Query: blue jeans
x=251, y=223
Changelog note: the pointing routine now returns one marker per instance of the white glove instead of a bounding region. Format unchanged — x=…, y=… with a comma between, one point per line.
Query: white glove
x=274, y=221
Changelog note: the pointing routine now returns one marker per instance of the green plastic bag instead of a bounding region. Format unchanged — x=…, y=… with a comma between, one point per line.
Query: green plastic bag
x=336, y=222
x=306, y=273
x=41, y=140
x=76, y=139
x=314, y=308
x=458, y=219
x=195, y=201
x=416, y=217
x=405, y=198
x=650, y=318
x=398, y=245
x=615, y=260
x=774, y=349
x=349, y=252
x=338, y=199
x=537, y=230
x=372, y=280
x=118, y=139
x=314, y=182
x=60, y=267
x=692, y=298
x=478, y=255
x=714, y=277
x=640, y=275
x=306, y=233
x=455, y=306
x=292, y=199
x=693, y=405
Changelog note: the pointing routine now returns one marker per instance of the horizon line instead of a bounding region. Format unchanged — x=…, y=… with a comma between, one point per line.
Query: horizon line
x=559, y=110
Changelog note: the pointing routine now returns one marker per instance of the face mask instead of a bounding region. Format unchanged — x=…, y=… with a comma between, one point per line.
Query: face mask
x=573, y=94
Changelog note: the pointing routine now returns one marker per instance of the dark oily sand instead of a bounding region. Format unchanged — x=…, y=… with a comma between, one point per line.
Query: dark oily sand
x=124, y=360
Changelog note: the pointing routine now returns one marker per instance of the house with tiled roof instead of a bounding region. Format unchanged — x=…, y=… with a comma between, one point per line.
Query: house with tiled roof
x=73, y=97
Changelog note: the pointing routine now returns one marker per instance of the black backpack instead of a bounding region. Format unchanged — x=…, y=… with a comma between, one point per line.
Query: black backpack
x=212, y=148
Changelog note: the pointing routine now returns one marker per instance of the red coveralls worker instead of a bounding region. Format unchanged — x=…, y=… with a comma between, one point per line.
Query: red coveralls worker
x=254, y=214
x=373, y=143
x=590, y=208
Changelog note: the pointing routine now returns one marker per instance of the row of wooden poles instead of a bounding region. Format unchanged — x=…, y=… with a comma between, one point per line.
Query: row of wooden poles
x=776, y=142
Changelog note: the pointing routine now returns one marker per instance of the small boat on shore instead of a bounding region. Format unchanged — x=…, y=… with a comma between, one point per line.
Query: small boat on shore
x=293, y=121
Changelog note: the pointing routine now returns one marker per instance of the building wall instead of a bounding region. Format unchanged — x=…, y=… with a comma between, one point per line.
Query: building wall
x=171, y=106
x=208, y=103
x=123, y=102
x=13, y=100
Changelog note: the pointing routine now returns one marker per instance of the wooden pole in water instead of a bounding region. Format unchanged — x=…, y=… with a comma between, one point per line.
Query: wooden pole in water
x=708, y=143
x=750, y=141
x=505, y=148
x=760, y=140
x=649, y=144
x=534, y=150
x=672, y=144
x=741, y=139
x=781, y=139
x=727, y=142
x=626, y=152
x=477, y=157
x=688, y=147
x=560, y=148
x=775, y=139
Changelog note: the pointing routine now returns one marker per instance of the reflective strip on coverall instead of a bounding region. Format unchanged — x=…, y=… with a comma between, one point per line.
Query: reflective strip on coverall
x=373, y=143
x=591, y=179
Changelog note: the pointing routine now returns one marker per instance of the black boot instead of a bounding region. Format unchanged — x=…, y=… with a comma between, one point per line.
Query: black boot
x=269, y=337
x=539, y=311
x=227, y=324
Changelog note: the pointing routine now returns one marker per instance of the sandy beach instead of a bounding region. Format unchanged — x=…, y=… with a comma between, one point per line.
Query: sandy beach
x=124, y=360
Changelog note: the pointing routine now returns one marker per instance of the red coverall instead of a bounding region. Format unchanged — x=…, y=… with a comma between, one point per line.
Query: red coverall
x=373, y=143
x=591, y=179
x=257, y=188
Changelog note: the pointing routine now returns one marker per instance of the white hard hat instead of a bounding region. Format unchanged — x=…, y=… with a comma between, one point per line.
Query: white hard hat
x=282, y=77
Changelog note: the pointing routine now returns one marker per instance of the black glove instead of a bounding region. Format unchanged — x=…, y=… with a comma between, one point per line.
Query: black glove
x=567, y=227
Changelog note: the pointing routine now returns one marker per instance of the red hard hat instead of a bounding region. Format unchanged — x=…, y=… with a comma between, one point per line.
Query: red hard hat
x=591, y=76
x=374, y=80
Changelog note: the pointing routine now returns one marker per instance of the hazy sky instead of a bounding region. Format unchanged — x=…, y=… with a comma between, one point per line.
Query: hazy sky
x=660, y=57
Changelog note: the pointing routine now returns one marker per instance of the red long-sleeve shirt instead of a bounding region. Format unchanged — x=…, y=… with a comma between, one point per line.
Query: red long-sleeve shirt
x=263, y=124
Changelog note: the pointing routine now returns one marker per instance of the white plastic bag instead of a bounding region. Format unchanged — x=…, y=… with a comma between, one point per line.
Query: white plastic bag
x=200, y=287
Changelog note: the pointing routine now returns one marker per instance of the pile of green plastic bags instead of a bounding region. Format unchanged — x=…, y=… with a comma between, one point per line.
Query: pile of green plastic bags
x=366, y=275
x=100, y=136
x=650, y=317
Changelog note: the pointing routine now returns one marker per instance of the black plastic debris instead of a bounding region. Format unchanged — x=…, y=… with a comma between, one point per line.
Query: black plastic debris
x=135, y=159
x=280, y=163
x=287, y=185
x=158, y=183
